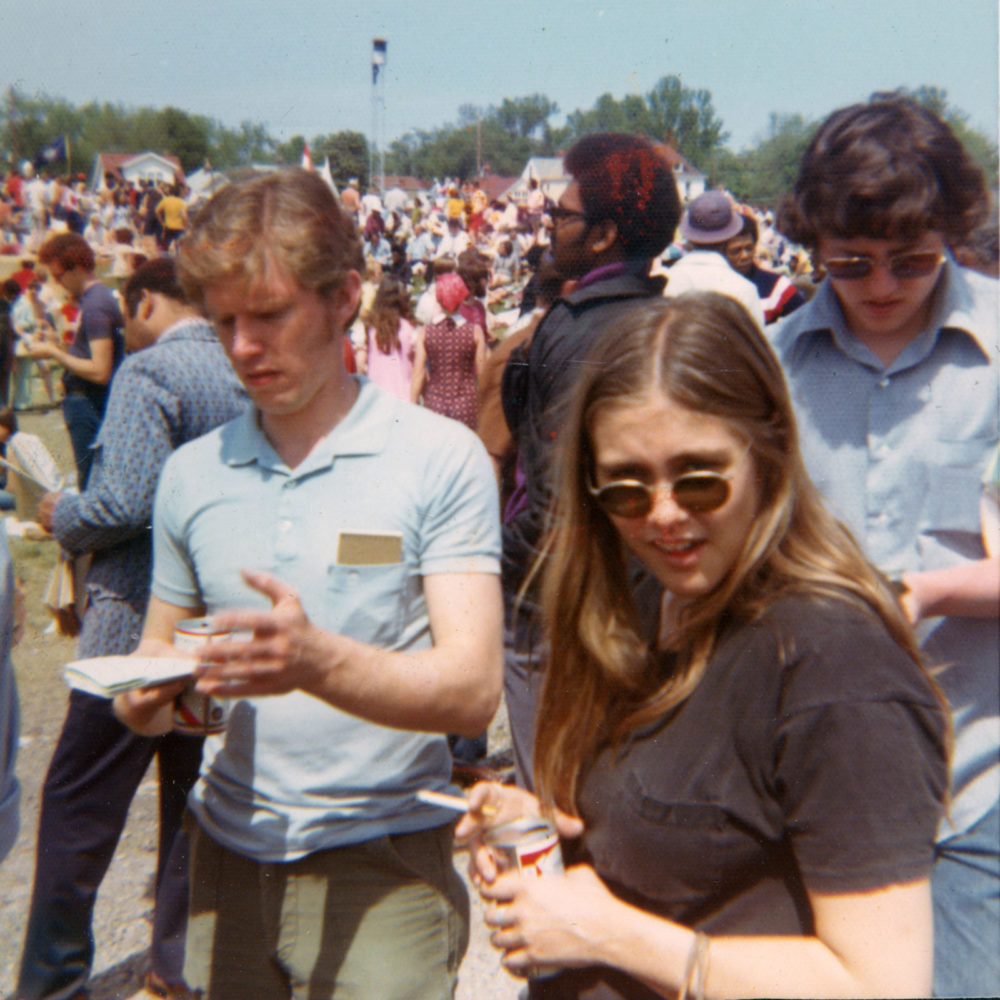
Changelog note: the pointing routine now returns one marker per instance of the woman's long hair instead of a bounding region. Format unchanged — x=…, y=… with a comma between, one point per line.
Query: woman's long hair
x=703, y=352
x=392, y=304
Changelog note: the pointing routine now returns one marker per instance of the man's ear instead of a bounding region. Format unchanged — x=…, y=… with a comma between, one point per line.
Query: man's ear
x=603, y=236
x=346, y=299
x=146, y=305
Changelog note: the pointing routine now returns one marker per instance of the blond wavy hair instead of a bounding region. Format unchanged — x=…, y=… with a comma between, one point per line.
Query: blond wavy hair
x=704, y=352
x=288, y=219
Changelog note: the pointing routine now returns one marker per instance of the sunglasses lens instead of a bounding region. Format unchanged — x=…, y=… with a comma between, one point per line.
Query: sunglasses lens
x=701, y=492
x=903, y=266
x=915, y=265
x=848, y=268
x=625, y=500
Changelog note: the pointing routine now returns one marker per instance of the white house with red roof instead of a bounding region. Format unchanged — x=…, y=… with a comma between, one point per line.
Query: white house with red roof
x=135, y=167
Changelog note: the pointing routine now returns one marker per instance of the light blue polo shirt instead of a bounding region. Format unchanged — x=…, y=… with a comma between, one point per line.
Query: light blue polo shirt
x=899, y=452
x=393, y=494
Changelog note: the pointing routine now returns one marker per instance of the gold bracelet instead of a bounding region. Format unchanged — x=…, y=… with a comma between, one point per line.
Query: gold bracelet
x=696, y=967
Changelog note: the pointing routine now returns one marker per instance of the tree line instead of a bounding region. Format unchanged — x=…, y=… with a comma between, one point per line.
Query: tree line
x=498, y=139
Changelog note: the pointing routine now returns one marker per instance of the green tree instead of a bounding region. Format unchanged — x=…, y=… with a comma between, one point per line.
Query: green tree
x=526, y=117
x=764, y=174
x=978, y=145
x=290, y=152
x=670, y=111
x=250, y=143
x=185, y=136
x=348, y=153
x=32, y=122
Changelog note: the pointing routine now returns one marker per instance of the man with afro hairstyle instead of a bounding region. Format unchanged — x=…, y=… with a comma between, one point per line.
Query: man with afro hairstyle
x=619, y=212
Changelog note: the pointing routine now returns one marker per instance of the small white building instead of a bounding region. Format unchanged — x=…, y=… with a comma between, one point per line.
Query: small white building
x=135, y=167
x=690, y=181
x=548, y=171
x=552, y=177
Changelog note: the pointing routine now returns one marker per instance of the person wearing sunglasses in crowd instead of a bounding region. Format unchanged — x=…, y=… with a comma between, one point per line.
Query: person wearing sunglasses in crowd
x=893, y=369
x=747, y=758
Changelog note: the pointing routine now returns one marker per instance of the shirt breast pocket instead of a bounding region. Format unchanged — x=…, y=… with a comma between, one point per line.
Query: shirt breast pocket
x=367, y=602
x=953, y=478
x=676, y=851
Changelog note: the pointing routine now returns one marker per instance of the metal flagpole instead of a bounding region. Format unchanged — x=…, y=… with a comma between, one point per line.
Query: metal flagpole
x=376, y=154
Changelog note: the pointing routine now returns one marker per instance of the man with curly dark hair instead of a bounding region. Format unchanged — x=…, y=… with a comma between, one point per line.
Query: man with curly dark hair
x=894, y=369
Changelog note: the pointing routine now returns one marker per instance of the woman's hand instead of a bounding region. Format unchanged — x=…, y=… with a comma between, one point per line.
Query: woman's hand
x=561, y=920
x=492, y=805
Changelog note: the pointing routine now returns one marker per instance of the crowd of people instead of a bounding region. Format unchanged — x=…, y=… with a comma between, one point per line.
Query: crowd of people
x=711, y=497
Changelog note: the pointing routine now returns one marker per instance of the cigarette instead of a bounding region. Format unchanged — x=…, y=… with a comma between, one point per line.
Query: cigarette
x=456, y=802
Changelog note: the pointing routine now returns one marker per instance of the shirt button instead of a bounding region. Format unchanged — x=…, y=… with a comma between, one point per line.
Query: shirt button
x=883, y=383
x=285, y=527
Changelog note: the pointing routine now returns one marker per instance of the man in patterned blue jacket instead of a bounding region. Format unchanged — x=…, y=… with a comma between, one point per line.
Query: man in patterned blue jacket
x=176, y=385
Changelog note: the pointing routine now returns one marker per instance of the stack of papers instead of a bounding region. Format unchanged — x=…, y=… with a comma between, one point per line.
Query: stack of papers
x=106, y=676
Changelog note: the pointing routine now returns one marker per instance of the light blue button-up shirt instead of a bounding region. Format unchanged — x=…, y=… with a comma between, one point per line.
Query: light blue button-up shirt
x=899, y=452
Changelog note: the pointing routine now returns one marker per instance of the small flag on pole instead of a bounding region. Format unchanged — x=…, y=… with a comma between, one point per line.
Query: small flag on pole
x=52, y=153
x=325, y=173
x=378, y=57
x=307, y=160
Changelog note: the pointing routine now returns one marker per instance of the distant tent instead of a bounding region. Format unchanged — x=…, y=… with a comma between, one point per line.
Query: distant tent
x=204, y=182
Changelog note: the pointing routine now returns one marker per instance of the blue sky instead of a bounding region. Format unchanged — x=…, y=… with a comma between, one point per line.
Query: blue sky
x=304, y=68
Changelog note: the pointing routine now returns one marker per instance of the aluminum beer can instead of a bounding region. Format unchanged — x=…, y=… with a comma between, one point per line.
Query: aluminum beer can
x=530, y=845
x=196, y=714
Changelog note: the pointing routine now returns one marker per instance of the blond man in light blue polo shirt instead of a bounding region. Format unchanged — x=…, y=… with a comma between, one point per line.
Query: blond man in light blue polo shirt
x=357, y=536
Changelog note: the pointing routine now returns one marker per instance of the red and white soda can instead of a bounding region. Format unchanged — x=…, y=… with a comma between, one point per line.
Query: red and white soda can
x=196, y=714
x=530, y=845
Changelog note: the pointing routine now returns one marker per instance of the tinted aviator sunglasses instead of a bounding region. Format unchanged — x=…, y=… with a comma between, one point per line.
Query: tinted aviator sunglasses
x=918, y=264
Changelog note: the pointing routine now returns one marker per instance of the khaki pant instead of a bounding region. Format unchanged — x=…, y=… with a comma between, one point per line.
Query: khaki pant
x=385, y=919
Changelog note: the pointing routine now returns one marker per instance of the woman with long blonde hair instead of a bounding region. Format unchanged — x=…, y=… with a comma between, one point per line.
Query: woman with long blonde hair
x=387, y=358
x=744, y=747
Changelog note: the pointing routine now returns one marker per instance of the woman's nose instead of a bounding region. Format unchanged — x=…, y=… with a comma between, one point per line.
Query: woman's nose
x=665, y=508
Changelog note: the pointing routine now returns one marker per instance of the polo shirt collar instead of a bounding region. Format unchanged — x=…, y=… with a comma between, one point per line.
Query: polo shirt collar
x=954, y=309
x=363, y=431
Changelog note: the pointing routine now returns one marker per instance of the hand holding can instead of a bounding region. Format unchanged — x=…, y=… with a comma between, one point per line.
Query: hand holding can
x=529, y=845
x=197, y=714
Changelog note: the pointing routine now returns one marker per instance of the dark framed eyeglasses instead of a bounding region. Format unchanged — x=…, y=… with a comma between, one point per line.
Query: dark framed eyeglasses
x=918, y=264
x=560, y=214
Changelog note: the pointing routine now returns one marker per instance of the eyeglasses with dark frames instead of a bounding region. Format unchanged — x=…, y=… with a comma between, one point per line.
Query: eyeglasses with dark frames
x=560, y=214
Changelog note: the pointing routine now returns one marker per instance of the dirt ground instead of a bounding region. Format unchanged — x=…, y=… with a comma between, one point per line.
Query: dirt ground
x=124, y=905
